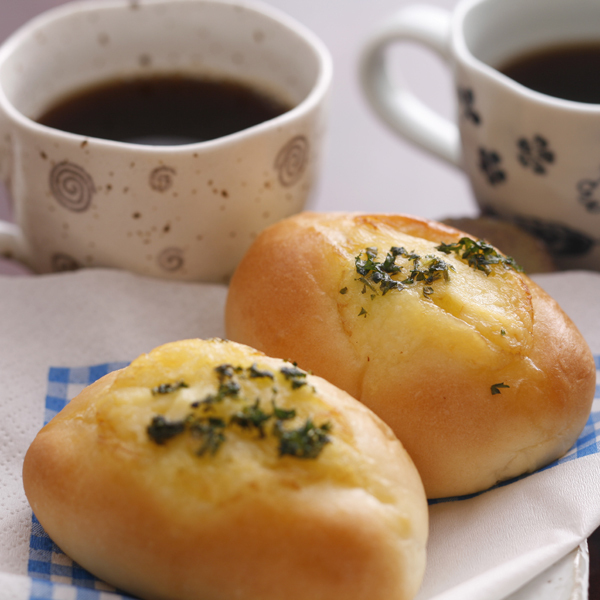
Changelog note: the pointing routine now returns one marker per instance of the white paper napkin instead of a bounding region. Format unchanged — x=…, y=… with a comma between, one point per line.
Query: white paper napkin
x=60, y=331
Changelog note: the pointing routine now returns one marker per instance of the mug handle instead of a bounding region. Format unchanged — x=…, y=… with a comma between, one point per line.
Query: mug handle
x=395, y=104
x=12, y=244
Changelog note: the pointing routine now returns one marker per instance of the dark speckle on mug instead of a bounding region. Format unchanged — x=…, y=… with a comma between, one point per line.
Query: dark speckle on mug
x=258, y=36
x=145, y=60
x=103, y=39
x=136, y=215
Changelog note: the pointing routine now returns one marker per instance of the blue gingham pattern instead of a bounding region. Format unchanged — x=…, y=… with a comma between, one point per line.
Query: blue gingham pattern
x=56, y=577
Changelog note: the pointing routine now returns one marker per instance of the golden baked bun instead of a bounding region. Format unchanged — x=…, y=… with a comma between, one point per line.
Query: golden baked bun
x=476, y=369
x=208, y=470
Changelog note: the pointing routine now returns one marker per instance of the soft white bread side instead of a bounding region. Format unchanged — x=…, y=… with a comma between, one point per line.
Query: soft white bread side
x=480, y=374
x=133, y=481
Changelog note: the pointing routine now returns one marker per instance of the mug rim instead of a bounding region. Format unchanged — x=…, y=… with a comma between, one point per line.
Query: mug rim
x=315, y=96
x=463, y=54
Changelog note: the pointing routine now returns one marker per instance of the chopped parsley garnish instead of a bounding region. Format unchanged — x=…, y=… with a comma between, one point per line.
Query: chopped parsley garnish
x=479, y=254
x=228, y=388
x=161, y=430
x=373, y=273
x=382, y=276
x=255, y=373
x=282, y=414
x=167, y=388
x=251, y=416
x=428, y=269
x=496, y=388
x=305, y=442
x=344, y=290
x=295, y=376
x=209, y=431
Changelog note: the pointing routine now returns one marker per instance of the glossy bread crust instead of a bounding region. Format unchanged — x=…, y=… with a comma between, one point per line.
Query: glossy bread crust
x=162, y=522
x=427, y=361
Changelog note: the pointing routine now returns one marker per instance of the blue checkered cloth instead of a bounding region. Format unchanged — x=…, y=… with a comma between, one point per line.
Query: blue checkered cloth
x=54, y=576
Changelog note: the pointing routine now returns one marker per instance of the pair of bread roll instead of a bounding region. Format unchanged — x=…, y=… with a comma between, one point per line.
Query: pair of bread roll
x=476, y=369
x=208, y=470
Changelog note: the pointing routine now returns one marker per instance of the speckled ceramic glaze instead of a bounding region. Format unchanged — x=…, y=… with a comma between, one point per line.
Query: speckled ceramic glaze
x=185, y=212
x=531, y=158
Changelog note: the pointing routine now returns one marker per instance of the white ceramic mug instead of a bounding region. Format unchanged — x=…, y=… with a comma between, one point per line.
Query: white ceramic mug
x=185, y=212
x=530, y=157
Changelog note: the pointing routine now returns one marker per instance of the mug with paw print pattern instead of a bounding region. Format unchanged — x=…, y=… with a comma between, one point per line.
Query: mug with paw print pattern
x=531, y=156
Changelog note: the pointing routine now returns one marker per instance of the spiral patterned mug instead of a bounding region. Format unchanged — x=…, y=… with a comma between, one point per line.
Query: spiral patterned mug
x=185, y=212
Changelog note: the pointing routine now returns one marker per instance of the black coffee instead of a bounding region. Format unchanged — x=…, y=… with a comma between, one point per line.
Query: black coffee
x=163, y=110
x=564, y=71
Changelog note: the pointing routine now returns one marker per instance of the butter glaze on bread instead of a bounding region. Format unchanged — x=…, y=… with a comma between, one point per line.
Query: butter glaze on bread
x=425, y=364
x=245, y=523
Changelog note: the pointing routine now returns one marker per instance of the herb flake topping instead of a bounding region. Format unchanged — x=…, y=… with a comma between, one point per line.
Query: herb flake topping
x=479, y=254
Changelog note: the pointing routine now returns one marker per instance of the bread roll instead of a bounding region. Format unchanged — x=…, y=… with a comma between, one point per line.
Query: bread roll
x=477, y=370
x=186, y=475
